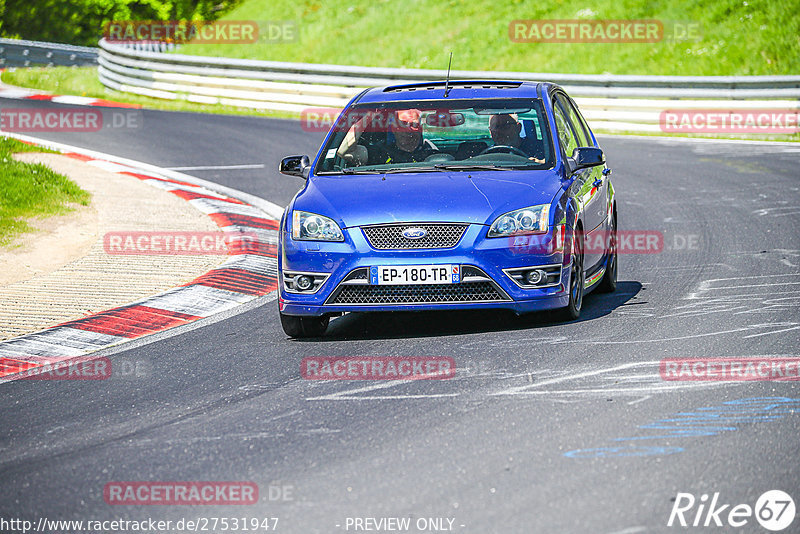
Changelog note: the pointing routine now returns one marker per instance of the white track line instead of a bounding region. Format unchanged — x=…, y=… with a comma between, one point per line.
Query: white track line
x=218, y=167
x=350, y=394
x=273, y=210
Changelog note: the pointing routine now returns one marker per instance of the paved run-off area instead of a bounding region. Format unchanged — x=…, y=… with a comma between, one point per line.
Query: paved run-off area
x=63, y=272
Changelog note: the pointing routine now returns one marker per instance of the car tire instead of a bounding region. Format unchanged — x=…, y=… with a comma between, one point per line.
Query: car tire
x=300, y=327
x=577, y=282
x=609, y=282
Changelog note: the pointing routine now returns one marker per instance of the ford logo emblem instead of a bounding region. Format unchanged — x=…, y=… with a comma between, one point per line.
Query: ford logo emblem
x=414, y=233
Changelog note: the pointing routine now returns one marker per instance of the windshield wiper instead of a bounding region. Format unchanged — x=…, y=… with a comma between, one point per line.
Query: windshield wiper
x=434, y=168
x=347, y=171
x=379, y=171
x=447, y=167
x=409, y=169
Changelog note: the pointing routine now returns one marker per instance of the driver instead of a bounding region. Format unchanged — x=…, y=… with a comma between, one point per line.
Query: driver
x=505, y=129
x=409, y=146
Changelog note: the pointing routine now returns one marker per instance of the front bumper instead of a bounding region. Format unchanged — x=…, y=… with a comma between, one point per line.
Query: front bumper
x=485, y=284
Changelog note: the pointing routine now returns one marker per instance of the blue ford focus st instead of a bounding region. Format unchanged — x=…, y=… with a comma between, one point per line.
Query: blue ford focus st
x=448, y=195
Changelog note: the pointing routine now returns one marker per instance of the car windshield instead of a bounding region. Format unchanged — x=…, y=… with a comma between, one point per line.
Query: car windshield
x=453, y=135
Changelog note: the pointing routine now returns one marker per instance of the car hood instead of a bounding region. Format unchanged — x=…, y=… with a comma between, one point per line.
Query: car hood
x=478, y=197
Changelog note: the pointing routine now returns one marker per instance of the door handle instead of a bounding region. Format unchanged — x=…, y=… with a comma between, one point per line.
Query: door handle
x=598, y=182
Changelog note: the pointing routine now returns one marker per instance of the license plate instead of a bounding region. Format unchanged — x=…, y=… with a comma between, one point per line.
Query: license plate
x=414, y=274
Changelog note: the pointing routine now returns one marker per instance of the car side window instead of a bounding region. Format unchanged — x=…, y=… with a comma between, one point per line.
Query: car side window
x=584, y=123
x=583, y=137
x=565, y=132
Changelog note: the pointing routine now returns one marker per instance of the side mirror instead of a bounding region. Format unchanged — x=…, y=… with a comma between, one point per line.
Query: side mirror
x=586, y=156
x=295, y=166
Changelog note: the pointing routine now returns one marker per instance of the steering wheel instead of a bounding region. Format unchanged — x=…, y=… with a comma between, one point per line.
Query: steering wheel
x=496, y=149
x=440, y=156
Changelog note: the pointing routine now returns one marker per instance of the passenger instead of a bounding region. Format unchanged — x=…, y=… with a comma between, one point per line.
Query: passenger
x=409, y=145
x=505, y=130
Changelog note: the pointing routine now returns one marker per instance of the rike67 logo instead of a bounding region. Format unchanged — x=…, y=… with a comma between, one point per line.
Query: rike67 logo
x=774, y=510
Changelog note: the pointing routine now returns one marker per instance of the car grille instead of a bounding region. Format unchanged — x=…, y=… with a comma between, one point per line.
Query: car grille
x=353, y=291
x=389, y=236
x=418, y=294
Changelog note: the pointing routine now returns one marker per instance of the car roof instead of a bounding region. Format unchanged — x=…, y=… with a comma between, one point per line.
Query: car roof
x=459, y=89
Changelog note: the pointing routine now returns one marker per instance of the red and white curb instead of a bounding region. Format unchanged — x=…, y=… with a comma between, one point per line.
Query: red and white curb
x=249, y=273
x=20, y=93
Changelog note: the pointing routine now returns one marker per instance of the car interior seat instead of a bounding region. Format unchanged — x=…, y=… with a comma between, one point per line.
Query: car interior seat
x=530, y=131
x=469, y=149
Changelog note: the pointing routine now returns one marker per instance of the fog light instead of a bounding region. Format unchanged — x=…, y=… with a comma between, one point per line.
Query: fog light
x=534, y=277
x=303, y=282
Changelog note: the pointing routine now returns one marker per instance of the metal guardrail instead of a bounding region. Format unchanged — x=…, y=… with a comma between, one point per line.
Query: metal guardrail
x=19, y=53
x=631, y=103
x=351, y=76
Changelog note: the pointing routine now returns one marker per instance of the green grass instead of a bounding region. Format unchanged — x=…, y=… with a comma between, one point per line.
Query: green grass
x=31, y=190
x=83, y=81
x=738, y=37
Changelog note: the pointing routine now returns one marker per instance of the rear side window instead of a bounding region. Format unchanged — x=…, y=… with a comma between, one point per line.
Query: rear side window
x=585, y=125
x=565, y=132
x=577, y=121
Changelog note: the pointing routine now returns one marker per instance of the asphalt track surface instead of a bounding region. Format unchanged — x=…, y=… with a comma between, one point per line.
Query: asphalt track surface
x=547, y=427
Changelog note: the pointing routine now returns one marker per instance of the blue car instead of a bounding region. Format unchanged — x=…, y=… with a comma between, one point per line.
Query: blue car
x=448, y=195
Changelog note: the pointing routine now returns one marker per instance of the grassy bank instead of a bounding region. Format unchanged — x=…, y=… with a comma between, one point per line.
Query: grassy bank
x=736, y=37
x=28, y=190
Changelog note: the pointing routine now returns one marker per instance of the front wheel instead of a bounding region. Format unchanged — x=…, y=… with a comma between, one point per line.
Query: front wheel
x=299, y=327
x=577, y=281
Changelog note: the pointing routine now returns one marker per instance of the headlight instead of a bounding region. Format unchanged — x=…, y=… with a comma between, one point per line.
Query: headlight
x=532, y=220
x=312, y=227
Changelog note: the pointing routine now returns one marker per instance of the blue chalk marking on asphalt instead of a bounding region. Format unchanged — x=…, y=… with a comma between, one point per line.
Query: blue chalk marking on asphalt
x=709, y=421
x=621, y=452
